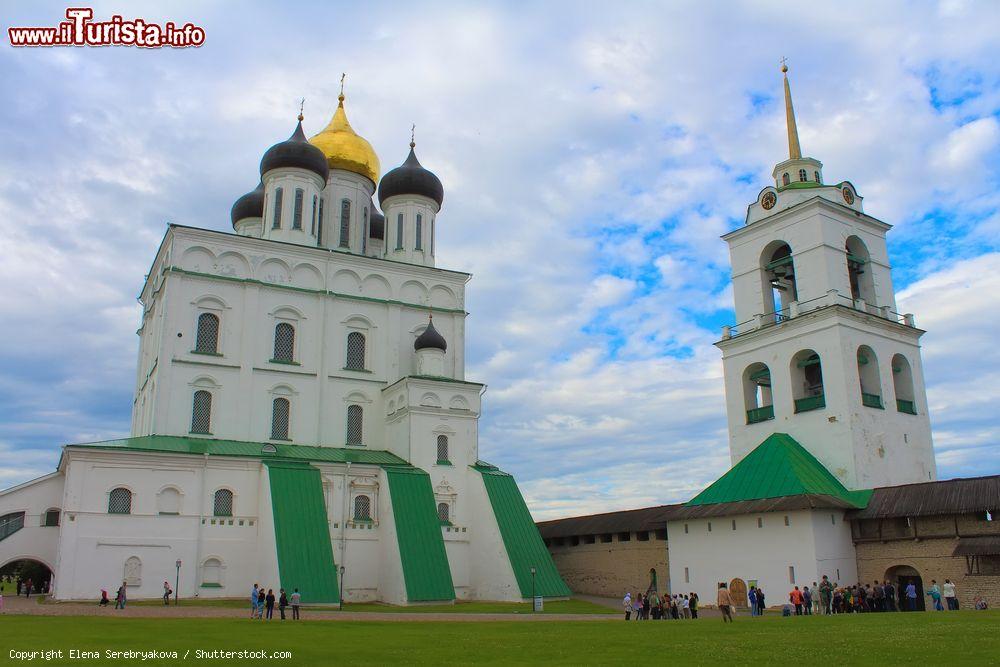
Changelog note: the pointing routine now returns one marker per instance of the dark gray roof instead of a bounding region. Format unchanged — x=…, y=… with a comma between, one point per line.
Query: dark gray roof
x=803, y=501
x=952, y=496
x=410, y=178
x=376, y=226
x=295, y=152
x=647, y=518
x=985, y=545
x=430, y=338
x=250, y=205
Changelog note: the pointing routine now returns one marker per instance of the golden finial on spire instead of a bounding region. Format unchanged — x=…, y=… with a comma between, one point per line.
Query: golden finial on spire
x=794, y=150
x=343, y=75
x=413, y=134
x=302, y=106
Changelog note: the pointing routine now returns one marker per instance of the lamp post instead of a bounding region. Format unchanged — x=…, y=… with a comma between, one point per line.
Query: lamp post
x=177, y=581
x=532, y=590
x=341, y=608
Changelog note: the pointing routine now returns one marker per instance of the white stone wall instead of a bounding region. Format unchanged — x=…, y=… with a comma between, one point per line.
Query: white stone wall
x=34, y=541
x=403, y=248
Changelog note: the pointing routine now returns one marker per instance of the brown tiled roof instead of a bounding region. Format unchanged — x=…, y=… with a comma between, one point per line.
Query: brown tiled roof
x=987, y=545
x=647, y=518
x=952, y=496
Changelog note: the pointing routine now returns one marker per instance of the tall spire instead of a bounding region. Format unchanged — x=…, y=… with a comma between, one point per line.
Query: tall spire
x=794, y=150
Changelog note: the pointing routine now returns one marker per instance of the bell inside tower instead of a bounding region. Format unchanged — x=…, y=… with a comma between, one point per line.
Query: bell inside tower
x=779, y=276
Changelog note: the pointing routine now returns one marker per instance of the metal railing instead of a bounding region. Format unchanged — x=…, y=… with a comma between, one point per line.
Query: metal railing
x=810, y=403
x=762, y=414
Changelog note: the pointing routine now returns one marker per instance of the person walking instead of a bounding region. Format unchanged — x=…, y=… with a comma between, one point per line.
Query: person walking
x=795, y=597
x=261, y=601
x=725, y=602
x=269, y=600
x=694, y=605
x=166, y=593
x=253, y=601
x=122, y=597
x=825, y=594
x=807, y=600
x=27, y=588
x=752, y=597
x=950, y=596
x=104, y=601
x=911, y=597
x=282, y=603
x=296, y=600
x=627, y=605
x=935, y=593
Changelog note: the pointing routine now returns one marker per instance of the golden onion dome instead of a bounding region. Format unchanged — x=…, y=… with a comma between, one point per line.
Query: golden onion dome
x=344, y=148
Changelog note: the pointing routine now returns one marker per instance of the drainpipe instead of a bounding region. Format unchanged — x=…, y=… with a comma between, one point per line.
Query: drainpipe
x=343, y=522
x=201, y=521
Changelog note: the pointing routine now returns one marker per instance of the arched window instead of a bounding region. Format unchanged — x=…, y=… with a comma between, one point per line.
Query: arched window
x=120, y=501
x=399, y=232
x=168, y=501
x=297, y=209
x=207, y=337
x=211, y=573
x=868, y=375
x=816, y=176
x=284, y=343
x=417, y=245
x=312, y=227
x=51, y=518
x=345, y=223
x=278, y=196
x=859, y=271
x=132, y=572
x=355, y=425
x=785, y=180
x=803, y=176
x=223, y=504
x=778, y=280
x=444, y=513
x=807, y=382
x=280, y=409
x=902, y=384
x=201, y=412
x=442, y=449
x=362, y=508
x=355, y=351
x=757, y=393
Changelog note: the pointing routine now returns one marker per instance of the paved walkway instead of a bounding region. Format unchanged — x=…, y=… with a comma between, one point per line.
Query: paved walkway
x=32, y=607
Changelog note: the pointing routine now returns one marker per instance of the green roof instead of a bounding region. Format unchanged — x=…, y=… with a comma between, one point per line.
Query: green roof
x=777, y=467
x=426, y=572
x=521, y=538
x=301, y=531
x=186, y=445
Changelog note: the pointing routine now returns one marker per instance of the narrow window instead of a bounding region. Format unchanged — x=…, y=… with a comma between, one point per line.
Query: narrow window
x=284, y=343
x=120, y=501
x=833, y=519
x=791, y=574
x=685, y=529
x=278, y=195
x=362, y=508
x=432, y=236
x=312, y=228
x=687, y=576
x=355, y=351
x=355, y=425
x=710, y=526
x=734, y=524
x=816, y=176
x=399, y=232
x=345, y=223
x=364, y=234
x=784, y=179
x=443, y=512
x=902, y=384
x=207, y=337
x=442, y=449
x=51, y=518
x=760, y=522
x=223, y=505
x=803, y=176
x=787, y=522
x=280, y=409
x=201, y=412
x=297, y=209
x=319, y=225
x=420, y=227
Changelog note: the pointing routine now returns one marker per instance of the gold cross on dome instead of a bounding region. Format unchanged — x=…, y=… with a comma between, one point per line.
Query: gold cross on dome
x=343, y=75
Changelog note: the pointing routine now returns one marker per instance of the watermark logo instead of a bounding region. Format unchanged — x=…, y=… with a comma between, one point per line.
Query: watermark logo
x=81, y=30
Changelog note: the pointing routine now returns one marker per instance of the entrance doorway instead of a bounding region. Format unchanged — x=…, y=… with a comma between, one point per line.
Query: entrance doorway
x=902, y=576
x=24, y=571
x=738, y=592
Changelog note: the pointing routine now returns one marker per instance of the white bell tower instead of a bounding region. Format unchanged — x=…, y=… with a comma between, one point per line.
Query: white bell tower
x=819, y=351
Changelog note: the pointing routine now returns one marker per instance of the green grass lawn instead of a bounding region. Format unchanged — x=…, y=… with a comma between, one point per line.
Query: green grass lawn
x=876, y=639
x=550, y=607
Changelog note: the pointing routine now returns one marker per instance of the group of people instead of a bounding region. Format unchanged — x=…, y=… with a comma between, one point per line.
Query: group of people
x=879, y=596
x=262, y=603
x=121, y=596
x=653, y=606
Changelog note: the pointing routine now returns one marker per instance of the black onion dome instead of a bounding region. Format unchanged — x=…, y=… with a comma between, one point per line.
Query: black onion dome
x=376, y=226
x=295, y=152
x=250, y=205
x=430, y=338
x=411, y=179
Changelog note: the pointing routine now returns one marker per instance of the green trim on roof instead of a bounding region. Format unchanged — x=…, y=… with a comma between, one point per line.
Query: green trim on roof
x=802, y=185
x=521, y=538
x=777, y=467
x=185, y=445
x=426, y=572
x=301, y=531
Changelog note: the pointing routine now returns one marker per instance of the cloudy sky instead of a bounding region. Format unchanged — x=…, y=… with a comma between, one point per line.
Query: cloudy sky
x=591, y=160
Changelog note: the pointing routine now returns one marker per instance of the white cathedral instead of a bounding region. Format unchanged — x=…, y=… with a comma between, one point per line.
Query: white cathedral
x=301, y=416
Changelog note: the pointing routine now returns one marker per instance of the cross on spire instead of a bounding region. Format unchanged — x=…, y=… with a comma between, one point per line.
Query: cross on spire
x=302, y=106
x=343, y=75
x=784, y=64
x=413, y=134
